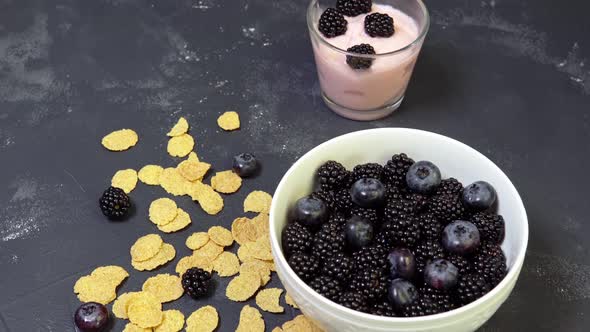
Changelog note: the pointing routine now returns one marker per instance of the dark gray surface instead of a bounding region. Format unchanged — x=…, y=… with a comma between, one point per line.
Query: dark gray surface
x=506, y=77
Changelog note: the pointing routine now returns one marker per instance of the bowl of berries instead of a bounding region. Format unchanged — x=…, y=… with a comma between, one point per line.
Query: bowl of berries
x=397, y=229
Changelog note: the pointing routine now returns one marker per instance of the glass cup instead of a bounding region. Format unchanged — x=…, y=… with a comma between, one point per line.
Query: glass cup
x=373, y=93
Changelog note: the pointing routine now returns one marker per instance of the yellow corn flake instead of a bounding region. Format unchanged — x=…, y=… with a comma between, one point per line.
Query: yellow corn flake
x=113, y=273
x=226, y=182
x=162, y=211
x=173, y=321
x=258, y=267
x=229, y=121
x=165, y=287
x=301, y=324
x=226, y=264
x=121, y=303
x=120, y=140
x=165, y=255
x=193, y=157
x=277, y=329
x=101, y=285
x=173, y=182
x=243, y=230
x=209, y=251
x=261, y=224
x=261, y=249
x=268, y=300
x=150, y=174
x=125, y=179
x=242, y=287
x=204, y=319
x=146, y=247
x=257, y=201
x=197, y=240
x=145, y=310
x=250, y=320
x=180, y=128
x=210, y=201
x=180, y=146
x=221, y=235
x=130, y=327
x=188, y=262
x=289, y=301
x=181, y=221
x=193, y=170
x=246, y=252
x=271, y=265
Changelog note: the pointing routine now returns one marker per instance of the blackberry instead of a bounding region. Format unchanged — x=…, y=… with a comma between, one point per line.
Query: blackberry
x=354, y=7
x=338, y=218
x=490, y=226
x=332, y=175
x=384, y=240
x=196, y=282
x=368, y=170
x=326, y=286
x=426, y=251
x=418, y=201
x=394, y=172
x=379, y=25
x=343, y=201
x=430, y=228
x=420, y=307
x=114, y=203
x=296, y=238
x=338, y=267
x=491, y=267
x=329, y=240
x=450, y=186
x=489, y=249
x=382, y=308
x=373, y=257
x=325, y=196
x=446, y=208
x=399, y=209
x=441, y=301
x=460, y=262
x=372, y=283
x=471, y=287
x=357, y=62
x=354, y=300
x=370, y=215
x=332, y=23
x=305, y=266
x=403, y=232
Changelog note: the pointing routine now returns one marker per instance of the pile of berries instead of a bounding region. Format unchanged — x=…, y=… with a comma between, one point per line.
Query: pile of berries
x=396, y=240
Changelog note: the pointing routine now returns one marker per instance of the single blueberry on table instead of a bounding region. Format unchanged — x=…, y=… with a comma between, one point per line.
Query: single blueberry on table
x=402, y=293
x=368, y=193
x=359, y=232
x=423, y=177
x=460, y=237
x=479, y=196
x=402, y=263
x=441, y=274
x=91, y=317
x=245, y=165
x=310, y=212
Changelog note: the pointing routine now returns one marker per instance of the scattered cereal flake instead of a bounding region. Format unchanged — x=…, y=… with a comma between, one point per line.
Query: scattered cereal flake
x=193, y=157
x=181, y=221
x=209, y=251
x=261, y=224
x=146, y=247
x=130, y=327
x=243, y=230
x=165, y=255
x=100, y=286
x=145, y=310
x=277, y=329
x=226, y=264
x=204, y=319
x=221, y=235
x=229, y=121
x=259, y=267
x=257, y=201
x=150, y=174
x=120, y=140
x=113, y=273
x=172, y=321
x=121, y=303
x=289, y=301
x=226, y=182
x=246, y=252
x=193, y=170
x=188, y=262
x=261, y=249
x=250, y=320
x=210, y=201
x=166, y=287
x=173, y=182
x=242, y=287
x=125, y=179
x=197, y=240
x=180, y=128
x=181, y=146
x=268, y=300
x=162, y=211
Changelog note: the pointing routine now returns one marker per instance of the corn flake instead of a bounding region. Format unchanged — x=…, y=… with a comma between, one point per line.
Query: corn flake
x=150, y=174
x=165, y=255
x=181, y=221
x=180, y=128
x=258, y=267
x=220, y=235
x=173, y=182
x=209, y=251
x=229, y=121
x=193, y=157
x=268, y=300
x=242, y=287
x=226, y=264
x=197, y=240
x=289, y=301
x=250, y=320
x=210, y=201
x=172, y=321
x=125, y=179
x=165, y=287
x=258, y=201
x=246, y=252
x=146, y=247
x=188, y=262
x=193, y=170
x=163, y=211
x=204, y=319
x=100, y=286
x=115, y=274
x=121, y=303
x=261, y=249
x=145, y=310
x=130, y=327
x=120, y=140
x=180, y=146
x=243, y=230
x=261, y=224
x=226, y=182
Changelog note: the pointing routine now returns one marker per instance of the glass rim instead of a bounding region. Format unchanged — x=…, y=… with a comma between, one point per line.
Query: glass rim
x=318, y=35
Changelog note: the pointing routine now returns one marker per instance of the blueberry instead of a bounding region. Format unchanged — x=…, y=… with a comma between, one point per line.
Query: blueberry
x=401, y=293
x=423, y=177
x=460, y=237
x=245, y=165
x=479, y=196
x=441, y=274
x=368, y=193
x=359, y=232
x=402, y=263
x=91, y=317
x=310, y=212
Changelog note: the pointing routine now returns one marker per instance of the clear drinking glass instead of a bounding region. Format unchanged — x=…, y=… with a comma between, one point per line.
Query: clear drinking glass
x=373, y=93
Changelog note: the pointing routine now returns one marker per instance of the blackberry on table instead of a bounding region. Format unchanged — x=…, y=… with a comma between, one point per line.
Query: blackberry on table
x=450, y=186
x=338, y=267
x=430, y=227
x=114, y=203
x=379, y=25
x=394, y=172
x=490, y=226
x=196, y=282
x=471, y=287
x=329, y=240
x=441, y=301
x=357, y=62
x=382, y=308
x=368, y=170
x=332, y=23
x=332, y=175
x=325, y=196
x=326, y=286
x=354, y=7
x=403, y=232
x=425, y=251
x=373, y=257
x=371, y=283
x=296, y=238
x=446, y=208
x=353, y=300
x=304, y=265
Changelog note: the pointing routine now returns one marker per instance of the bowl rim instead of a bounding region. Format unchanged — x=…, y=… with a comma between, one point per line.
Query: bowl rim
x=512, y=273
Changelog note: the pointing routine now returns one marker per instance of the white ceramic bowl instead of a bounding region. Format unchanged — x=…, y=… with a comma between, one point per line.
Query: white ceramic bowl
x=377, y=145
